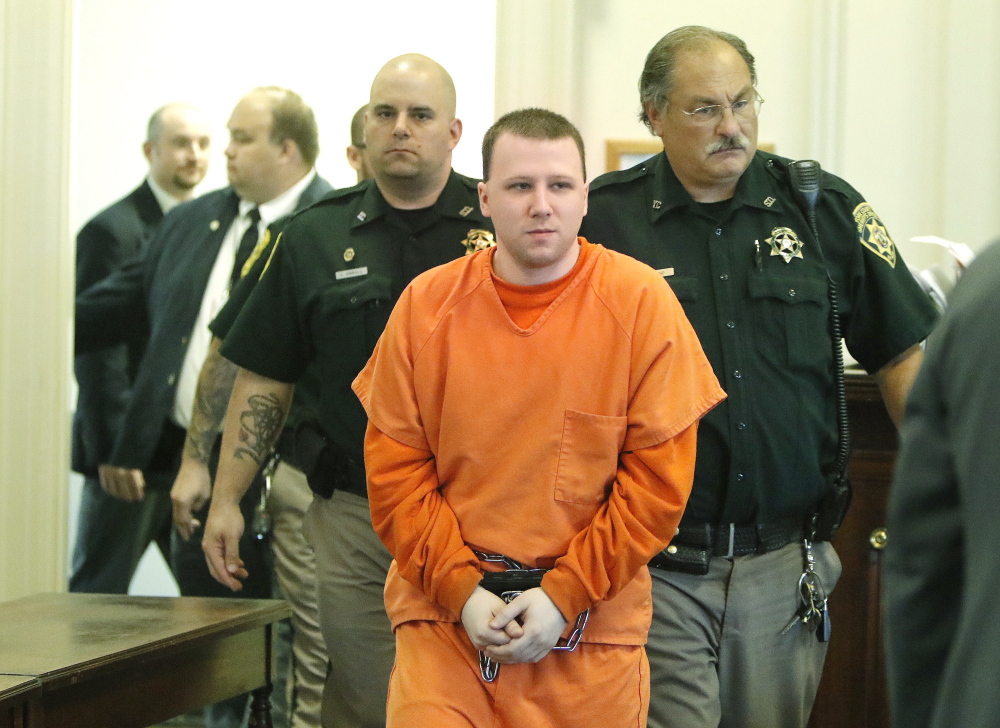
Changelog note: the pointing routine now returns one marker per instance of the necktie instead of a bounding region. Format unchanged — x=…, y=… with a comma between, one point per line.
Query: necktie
x=247, y=243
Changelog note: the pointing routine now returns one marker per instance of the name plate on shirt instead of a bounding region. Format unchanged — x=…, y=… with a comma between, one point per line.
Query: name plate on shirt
x=666, y=272
x=351, y=273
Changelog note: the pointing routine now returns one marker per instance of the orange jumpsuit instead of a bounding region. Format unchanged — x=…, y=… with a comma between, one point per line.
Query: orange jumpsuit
x=566, y=444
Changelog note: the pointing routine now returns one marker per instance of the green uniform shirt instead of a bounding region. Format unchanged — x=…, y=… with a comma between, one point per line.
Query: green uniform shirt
x=753, y=282
x=306, y=400
x=327, y=290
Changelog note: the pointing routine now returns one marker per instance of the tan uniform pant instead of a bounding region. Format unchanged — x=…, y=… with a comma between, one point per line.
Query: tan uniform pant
x=436, y=682
x=295, y=565
x=351, y=568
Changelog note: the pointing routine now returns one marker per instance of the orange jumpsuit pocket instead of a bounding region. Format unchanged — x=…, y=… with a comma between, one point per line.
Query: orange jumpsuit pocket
x=588, y=456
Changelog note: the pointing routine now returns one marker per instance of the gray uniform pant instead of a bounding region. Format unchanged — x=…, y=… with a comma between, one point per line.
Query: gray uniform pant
x=716, y=653
x=351, y=567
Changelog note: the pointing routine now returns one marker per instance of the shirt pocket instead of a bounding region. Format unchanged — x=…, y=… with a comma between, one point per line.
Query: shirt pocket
x=588, y=456
x=801, y=307
x=348, y=320
x=684, y=287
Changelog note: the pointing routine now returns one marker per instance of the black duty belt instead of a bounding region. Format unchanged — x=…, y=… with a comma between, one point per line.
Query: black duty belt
x=285, y=447
x=306, y=446
x=695, y=543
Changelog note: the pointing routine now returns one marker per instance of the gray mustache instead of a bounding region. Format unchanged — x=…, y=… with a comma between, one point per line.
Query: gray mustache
x=737, y=142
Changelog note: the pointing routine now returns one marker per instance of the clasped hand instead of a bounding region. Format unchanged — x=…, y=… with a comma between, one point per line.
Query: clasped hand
x=523, y=631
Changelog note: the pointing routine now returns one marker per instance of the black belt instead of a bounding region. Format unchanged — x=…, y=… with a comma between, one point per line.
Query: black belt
x=727, y=540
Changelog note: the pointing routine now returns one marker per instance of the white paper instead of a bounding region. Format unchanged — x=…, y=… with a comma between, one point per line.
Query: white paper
x=961, y=252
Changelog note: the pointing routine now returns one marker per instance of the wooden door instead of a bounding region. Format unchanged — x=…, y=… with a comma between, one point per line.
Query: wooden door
x=853, y=690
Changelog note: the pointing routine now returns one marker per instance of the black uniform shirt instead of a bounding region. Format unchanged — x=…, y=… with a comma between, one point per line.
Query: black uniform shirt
x=329, y=285
x=753, y=282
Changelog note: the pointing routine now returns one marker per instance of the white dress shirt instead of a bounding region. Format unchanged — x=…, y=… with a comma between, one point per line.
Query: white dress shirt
x=217, y=291
x=167, y=201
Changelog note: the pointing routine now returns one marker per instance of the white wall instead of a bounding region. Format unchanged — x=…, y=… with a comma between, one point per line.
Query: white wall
x=132, y=57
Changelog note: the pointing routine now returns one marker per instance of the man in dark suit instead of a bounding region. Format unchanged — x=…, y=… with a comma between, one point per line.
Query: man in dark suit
x=941, y=568
x=111, y=533
x=176, y=288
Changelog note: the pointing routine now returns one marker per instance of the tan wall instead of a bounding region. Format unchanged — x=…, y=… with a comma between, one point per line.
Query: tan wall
x=36, y=285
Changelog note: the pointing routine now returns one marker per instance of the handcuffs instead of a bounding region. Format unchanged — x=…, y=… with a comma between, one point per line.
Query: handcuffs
x=509, y=585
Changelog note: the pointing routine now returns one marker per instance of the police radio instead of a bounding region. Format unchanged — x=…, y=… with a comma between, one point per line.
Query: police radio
x=805, y=177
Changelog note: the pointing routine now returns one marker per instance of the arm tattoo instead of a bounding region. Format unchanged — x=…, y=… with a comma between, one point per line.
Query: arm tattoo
x=259, y=427
x=215, y=384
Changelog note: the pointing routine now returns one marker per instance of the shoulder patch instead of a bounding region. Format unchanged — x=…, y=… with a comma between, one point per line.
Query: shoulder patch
x=873, y=234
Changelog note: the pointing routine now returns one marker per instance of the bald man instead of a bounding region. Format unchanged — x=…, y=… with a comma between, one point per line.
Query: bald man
x=313, y=318
x=356, y=150
x=112, y=534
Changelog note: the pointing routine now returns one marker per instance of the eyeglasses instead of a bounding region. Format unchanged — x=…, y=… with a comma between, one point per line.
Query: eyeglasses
x=745, y=109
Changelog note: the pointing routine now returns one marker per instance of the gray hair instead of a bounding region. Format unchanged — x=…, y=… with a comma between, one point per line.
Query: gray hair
x=657, y=80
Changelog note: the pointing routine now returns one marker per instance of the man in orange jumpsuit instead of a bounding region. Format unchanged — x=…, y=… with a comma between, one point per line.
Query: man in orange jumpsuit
x=538, y=401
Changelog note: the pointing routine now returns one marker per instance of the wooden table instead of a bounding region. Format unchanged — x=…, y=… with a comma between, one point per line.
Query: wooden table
x=16, y=692
x=94, y=660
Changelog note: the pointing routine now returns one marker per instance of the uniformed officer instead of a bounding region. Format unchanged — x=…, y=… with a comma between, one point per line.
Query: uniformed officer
x=734, y=636
x=356, y=149
x=325, y=295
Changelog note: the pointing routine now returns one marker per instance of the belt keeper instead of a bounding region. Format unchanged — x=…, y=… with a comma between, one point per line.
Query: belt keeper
x=732, y=541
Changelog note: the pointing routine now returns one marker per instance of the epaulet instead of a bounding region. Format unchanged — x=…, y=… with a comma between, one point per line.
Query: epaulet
x=282, y=222
x=343, y=193
x=778, y=167
x=469, y=182
x=621, y=177
x=775, y=165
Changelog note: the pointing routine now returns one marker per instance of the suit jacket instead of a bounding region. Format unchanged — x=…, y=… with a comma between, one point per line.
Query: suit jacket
x=104, y=378
x=941, y=570
x=162, y=290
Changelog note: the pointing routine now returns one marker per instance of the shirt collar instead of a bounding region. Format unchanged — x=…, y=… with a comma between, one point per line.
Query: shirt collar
x=757, y=187
x=760, y=187
x=283, y=204
x=166, y=200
